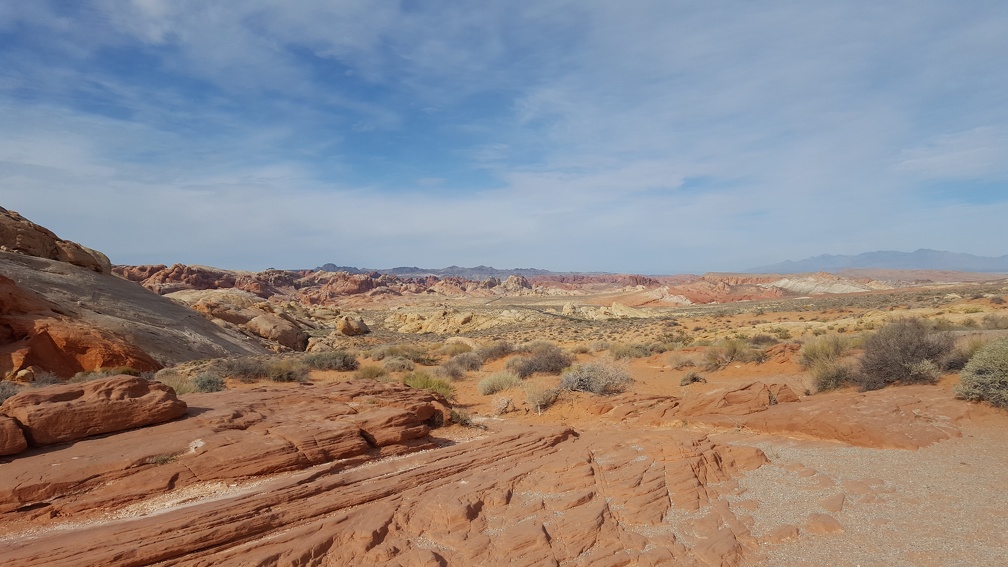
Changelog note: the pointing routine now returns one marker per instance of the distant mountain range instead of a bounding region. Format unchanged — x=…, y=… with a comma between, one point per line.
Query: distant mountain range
x=923, y=259
x=473, y=274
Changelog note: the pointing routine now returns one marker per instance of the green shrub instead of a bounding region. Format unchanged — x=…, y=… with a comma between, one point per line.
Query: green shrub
x=370, y=372
x=422, y=380
x=332, y=360
x=495, y=351
x=498, y=382
x=897, y=352
x=596, y=378
x=985, y=376
x=545, y=357
x=8, y=389
x=691, y=377
x=208, y=382
x=824, y=349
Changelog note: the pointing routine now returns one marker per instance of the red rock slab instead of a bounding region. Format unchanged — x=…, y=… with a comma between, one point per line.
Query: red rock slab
x=12, y=439
x=67, y=412
x=520, y=496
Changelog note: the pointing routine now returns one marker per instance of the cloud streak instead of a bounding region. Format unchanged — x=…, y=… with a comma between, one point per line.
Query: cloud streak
x=650, y=137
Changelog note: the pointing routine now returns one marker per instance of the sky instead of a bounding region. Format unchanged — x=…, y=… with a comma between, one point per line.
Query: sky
x=653, y=137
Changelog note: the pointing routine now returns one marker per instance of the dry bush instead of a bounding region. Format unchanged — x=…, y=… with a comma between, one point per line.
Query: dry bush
x=965, y=348
x=543, y=357
x=498, y=382
x=596, y=378
x=414, y=353
x=208, y=382
x=495, y=351
x=541, y=397
x=727, y=351
x=985, y=376
x=424, y=381
x=454, y=348
x=500, y=405
x=634, y=350
x=680, y=360
x=904, y=351
x=995, y=322
x=181, y=383
x=371, y=372
x=824, y=349
x=398, y=364
x=8, y=389
x=832, y=373
x=331, y=360
x=691, y=377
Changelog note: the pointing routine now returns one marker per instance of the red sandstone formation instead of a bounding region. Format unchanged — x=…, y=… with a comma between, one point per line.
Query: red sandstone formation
x=18, y=234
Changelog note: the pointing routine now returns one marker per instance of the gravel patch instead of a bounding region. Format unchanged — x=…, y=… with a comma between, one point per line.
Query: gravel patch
x=943, y=505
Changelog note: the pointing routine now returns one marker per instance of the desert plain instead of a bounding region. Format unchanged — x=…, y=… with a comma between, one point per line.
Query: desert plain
x=188, y=415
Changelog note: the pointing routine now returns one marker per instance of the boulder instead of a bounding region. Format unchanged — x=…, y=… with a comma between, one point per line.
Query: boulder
x=352, y=327
x=12, y=439
x=67, y=412
x=278, y=329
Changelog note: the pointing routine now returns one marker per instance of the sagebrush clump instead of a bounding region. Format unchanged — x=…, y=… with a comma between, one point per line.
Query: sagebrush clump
x=544, y=357
x=595, y=377
x=209, y=382
x=985, y=376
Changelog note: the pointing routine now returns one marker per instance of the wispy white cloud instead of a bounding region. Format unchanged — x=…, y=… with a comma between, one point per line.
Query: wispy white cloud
x=649, y=136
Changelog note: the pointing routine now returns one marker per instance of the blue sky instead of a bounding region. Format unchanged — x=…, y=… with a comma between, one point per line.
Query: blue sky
x=638, y=136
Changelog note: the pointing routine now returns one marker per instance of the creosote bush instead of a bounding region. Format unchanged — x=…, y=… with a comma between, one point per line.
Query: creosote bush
x=596, y=378
x=543, y=357
x=331, y=360
x=904, y=351
x=424, y=381
x=985, y=376
x=498, y=382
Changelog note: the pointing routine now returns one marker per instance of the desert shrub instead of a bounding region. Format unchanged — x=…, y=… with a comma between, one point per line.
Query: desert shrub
x=454, y=348
x=963, y=351
x=181, y=383
x=469, y=361
x=545, y=357
x=450, y=371
x=599, y=345
x=8, y=389
x=762, y=340
x=46, y=378
x=370, y=372
x=423, y=381
x=680, y=361
x=580, y=348
x=208, y=382
x=823, y=349
x=726, y=351
x=997, y=300
x=461, y=417
x=246, y=369
x=985, y=376
x=331, y=360
x=595, y=377
x=413, y=353
x=781, y=333
x=398, y=364
x=101, y=373
x=495, y=350
x=498, y=382
x=897, y=352
x=500, y=405
x=995, y=322
x=541, y=397
x=691, y=377
x=287, y=370
x=832, y=373
x=632, y=350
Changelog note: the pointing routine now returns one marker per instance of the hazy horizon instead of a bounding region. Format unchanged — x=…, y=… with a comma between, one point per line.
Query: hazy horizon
x=644, y=137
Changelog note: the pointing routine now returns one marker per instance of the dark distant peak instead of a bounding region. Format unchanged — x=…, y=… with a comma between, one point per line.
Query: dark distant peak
x=921, y=259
